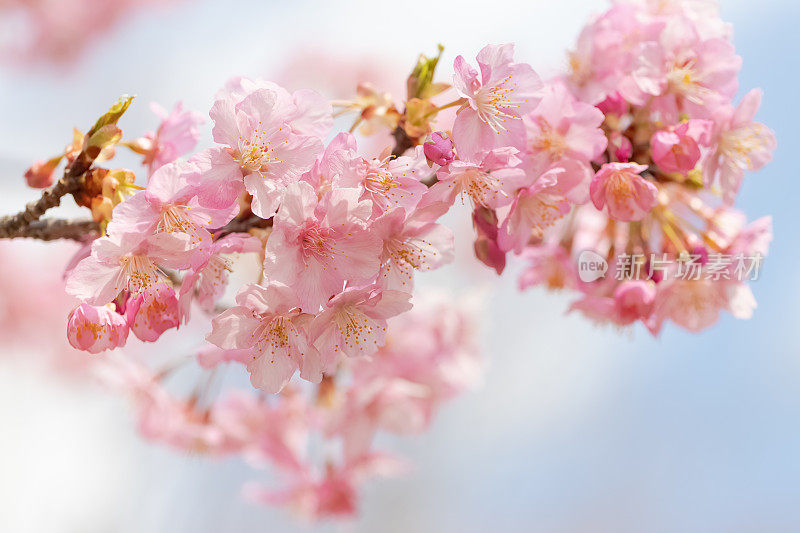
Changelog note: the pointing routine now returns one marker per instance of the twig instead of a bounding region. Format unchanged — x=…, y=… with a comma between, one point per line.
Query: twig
x=10, y=226
x=402, y=141
x=243, y=225
x=52, y=229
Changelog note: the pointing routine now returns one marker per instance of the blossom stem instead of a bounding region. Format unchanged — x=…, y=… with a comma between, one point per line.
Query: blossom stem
x=443, y=107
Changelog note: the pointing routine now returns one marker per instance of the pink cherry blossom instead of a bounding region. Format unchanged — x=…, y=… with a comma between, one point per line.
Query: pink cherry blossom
x=96, y=329
x=307, y=112
x=548, y=265
x=394, y=405
x=439, y=149
x=742, y=145
x=354, y=321
x=696, y=304
x=488, y=180
x=318, y=244
x=333, y=493
x=622, y=191
x=217, y=181
x=152, y=312
x=176, y=136
x=678, y=149
x=413, y=242
x=169, y=216
x=561, y=127
x=269, y=153
x=495, y=103
x=389, y=182
x=206, y=281
x=115, y=264
x=541, y=205
x=268, y=322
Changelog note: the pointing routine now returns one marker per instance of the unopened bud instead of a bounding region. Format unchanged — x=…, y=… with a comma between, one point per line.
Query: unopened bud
x=439, y=149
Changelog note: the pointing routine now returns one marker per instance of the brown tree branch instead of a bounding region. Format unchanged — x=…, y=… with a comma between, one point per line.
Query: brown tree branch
x=51, y=229
x=12, y=225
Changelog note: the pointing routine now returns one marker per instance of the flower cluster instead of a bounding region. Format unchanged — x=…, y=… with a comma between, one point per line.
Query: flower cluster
x=635, y=158
x=429, y=356
x=648, y=108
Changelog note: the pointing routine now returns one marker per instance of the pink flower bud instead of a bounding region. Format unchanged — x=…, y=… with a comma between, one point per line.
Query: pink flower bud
x=633, y=300
x=96, y=329
x=620, y=147
x=40, y=175
x=152, y=312
x=614, y=104
x=487, y=249
x=678, y=149
x=439, y=149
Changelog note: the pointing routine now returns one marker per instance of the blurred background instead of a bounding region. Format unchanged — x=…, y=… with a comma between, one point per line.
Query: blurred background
x=575, y=428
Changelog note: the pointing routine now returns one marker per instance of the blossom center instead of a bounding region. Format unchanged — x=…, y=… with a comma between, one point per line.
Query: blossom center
x=495, y=103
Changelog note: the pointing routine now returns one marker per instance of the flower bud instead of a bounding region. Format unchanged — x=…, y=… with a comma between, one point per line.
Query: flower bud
x=620, y=147
x=614, y=104
x=487, y=249
x=40, y=175
x=439, y=149
x=152, y=312
x=96, y=329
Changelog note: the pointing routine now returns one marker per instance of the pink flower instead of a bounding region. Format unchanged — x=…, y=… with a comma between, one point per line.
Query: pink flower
x=96, y=329
x=742, y=145
x=207, y=280
x=394, y=405
x=264, y=430
x=561, y=127
x=696, y=304
x=218, y=181
x=439, y=149
x=619, y=147
x=169, y=216
x=115, y=264
x=152, y=312
x=307, y=112
x=390, y=182
x=633, y=300
x=541, y=205
x=488, y=180
x=495, y=103
x=487, y=236
x=410, y=243
x=686, y=69
x=267, y=322
x=678, y=149
x=354, y=321
x=549, y=265
x=622, y=191
x=332, y=494
x=318, y=244
x=269, y=152
x=176, y=136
